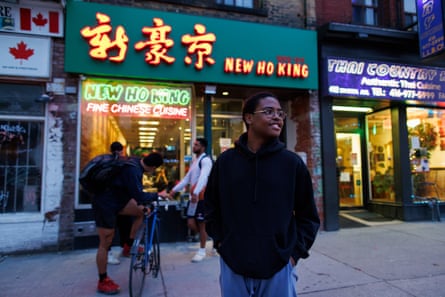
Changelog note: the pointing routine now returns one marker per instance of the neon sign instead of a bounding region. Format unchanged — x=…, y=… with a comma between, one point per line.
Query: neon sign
x=370, y=79
x=166, y=46
x=126, y=98
x=266, y=68
x=200, y=45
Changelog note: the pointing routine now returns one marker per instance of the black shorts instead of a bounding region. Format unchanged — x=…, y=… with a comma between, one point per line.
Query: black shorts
x=199, y=214
x=106, y=208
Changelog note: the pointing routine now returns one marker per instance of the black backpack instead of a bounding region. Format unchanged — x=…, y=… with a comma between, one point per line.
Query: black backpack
x=99, y=172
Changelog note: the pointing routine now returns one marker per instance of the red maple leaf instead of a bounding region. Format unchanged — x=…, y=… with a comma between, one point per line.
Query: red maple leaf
x=39, y=20
x=21, y=52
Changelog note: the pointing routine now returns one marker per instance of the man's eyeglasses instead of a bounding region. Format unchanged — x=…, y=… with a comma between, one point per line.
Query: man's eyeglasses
x=270, y=113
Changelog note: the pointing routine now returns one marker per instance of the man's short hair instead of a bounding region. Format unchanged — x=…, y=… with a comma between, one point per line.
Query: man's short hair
x=153, y=159
x=202, y=141
x=116, y=146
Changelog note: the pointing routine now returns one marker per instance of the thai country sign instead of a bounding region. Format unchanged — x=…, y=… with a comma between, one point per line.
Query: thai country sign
x=349, y=77
x=430, y=14
x=23, y=55
x=139, y=43
x=35, y=18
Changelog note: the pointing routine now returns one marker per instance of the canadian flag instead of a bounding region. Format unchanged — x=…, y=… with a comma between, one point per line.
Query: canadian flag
x=45, y=19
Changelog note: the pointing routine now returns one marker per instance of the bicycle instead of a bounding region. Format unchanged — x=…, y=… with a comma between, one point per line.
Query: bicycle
x=145, y=251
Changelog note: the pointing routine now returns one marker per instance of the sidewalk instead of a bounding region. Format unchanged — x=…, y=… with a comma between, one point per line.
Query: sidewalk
x=387, y=260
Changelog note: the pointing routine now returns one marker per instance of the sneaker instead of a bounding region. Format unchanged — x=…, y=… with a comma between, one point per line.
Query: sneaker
x=198, y=257
x=126, y=251
x=112, y=259
x=213, y=253
x=108, y=286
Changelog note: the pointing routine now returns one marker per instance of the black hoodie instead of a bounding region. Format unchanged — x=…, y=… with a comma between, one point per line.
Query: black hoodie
x=260, y=208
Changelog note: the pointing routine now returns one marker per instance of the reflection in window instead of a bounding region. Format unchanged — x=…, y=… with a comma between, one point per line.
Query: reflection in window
x=237, y=3
x=227, y=124
x=21, y=100
x=364, y=12
x=426, y=132
x=380, y=154
x=20, y=166
x=410, y=14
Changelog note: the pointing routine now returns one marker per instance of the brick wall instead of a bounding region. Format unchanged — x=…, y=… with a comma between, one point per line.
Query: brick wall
x=333, y=11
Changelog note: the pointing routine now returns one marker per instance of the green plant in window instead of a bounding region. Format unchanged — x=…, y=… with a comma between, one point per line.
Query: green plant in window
x=383, y=182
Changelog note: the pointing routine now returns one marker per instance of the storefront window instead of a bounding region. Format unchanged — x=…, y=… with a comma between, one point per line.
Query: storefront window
x=144, y=117
x=20, y=166
x=227, y=123
x=426, y=132
x=380, y=154
x=21, y=149
x=20, y=100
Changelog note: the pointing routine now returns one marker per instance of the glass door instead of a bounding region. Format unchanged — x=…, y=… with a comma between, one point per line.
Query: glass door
x=349, y=133
x=349, y=169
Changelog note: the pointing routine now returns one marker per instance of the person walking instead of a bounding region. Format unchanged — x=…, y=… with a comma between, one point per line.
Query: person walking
x=260, y=208
x=122, y=197
x=196, y=178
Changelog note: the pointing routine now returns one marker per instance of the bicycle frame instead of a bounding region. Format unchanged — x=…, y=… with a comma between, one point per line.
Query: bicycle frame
x=146, y=261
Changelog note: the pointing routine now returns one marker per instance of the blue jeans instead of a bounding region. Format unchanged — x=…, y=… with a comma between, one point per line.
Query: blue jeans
x=283, y=283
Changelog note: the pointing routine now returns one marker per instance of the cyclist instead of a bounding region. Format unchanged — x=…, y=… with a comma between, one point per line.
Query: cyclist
x=121, y=198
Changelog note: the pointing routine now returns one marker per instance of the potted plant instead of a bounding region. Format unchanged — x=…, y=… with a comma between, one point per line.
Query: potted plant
x=383, y=183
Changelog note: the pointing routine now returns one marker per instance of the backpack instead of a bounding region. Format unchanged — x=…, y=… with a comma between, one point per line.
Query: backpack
x=100, y=171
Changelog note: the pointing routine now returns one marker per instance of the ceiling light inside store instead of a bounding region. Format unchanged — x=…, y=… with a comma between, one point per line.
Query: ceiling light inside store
x=225, y=93
x=152, y=123
x=146, y=133
x=148, y=129
x=351, y=108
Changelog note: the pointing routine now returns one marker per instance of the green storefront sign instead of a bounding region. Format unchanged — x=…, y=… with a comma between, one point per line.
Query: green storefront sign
x=120, y=41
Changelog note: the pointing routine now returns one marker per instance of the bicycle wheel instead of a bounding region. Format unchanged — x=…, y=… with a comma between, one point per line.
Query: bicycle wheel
x=155, y=256
x=138, y=265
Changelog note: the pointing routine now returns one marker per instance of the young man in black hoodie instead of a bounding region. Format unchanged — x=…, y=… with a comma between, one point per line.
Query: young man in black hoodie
x=260, y=209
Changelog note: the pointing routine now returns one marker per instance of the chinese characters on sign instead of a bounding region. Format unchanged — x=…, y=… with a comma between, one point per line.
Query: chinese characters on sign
x=156, y=45
x=201, y=45
x=101, y=42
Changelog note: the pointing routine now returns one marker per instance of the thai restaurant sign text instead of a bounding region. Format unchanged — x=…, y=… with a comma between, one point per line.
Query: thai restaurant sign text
x=376, y=79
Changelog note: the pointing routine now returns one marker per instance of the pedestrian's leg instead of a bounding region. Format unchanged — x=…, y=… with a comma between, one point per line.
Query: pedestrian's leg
x=202, y=234
x=135, y=210
x=283, y=284
x=232, y=284
x=105, y=239
x=191, y=224
x=105, y=284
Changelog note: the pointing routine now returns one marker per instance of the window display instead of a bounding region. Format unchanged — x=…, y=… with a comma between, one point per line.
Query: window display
x=380, y=154
x=426, y=132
